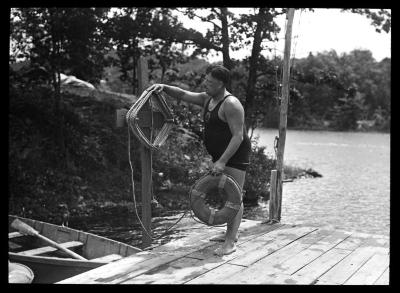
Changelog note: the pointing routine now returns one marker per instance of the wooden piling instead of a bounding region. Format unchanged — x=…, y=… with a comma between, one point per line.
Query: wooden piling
x=273, y=202
x=146, y=160
x=276, y=205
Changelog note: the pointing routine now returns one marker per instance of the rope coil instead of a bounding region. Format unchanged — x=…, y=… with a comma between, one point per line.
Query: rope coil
x=159, y=105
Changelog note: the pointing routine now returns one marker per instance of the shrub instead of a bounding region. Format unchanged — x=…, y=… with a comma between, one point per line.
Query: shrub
x=258, y=174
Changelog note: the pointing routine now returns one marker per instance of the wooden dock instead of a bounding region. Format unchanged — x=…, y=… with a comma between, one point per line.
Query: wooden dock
x=266, y=254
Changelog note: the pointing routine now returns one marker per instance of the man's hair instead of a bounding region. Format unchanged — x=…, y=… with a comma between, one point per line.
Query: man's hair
x=219, y=72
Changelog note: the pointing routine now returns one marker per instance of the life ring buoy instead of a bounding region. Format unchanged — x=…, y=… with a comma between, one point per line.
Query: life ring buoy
x=223, y=185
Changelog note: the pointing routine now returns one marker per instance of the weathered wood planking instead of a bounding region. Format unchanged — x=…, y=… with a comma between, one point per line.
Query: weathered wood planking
x=270, y=265
x=383, y=279
x=187, y=268
x=253, y=237
x=322, y=264
x=348, y=266
x=273, y=241
x=217, y=275
x=296, y=262
x=266, y=254
x=370, y=272
x=132, y=266
x=204, y=233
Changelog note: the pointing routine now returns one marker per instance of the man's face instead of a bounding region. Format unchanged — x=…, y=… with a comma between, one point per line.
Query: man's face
x=213, y=85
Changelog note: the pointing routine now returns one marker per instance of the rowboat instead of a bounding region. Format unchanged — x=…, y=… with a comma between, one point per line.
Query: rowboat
x=50, y=264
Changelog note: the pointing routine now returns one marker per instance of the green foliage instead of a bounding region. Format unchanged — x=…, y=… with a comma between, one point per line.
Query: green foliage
x=258, y=174
x=68, y=40
x=322, y=82
x=381, y=19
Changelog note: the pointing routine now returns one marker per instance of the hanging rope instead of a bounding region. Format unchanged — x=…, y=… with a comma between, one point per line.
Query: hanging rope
x=152, y=143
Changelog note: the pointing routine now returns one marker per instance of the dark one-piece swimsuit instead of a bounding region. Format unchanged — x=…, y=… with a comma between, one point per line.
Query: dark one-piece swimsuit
x=217, y=136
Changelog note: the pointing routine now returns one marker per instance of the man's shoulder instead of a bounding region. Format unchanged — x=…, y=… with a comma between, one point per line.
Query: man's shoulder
x=233, y=101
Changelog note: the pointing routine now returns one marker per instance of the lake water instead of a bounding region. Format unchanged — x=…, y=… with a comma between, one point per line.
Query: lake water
x=354, y=192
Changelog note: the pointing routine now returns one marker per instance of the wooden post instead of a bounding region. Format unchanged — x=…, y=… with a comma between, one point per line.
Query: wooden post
x=273, y=203
x=146, y=160
x=276, y=215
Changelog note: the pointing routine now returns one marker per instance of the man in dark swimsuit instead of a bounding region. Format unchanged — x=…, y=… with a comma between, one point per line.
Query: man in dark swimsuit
x=225, y=135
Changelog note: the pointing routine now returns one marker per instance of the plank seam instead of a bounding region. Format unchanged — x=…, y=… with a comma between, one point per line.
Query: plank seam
x=384, y=271
x=284, y=246
x=323, y=252
x=341, y=261
x=361, y=267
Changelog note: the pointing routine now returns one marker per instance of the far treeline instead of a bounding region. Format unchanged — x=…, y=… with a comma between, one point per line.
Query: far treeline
x=65, y=148
x=327, y=91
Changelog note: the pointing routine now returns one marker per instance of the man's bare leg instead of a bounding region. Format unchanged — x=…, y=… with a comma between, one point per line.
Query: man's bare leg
x=233, y=226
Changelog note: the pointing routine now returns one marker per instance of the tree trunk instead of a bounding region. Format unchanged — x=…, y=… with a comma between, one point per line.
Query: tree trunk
x=225, y=42
x=252, y=78
x=58, y=105
x=225, y=38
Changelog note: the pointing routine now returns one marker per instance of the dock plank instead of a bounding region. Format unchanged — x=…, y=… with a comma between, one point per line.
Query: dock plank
x=370, y=271
x=187, y=268
x=272, y=241
x=383, y=279
x=134, y=265
x=175, y=272
x=351, y=243
x=283, y=279
x=217, y=275
x=324, y=263
x=257, y=235
x=269, y=266
x=348, y=266
x=296, y=262
x=266, y=254
x=205, y=232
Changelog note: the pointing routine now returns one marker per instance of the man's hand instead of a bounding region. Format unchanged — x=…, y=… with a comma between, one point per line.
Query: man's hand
x=217, y=168
x=158, y=87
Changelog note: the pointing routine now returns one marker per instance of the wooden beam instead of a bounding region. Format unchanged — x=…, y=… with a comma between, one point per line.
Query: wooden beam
x=146, y=160
x=273, y=199
x=47, y=249
x=283, y=111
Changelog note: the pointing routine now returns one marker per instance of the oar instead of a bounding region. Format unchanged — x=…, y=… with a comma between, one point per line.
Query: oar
x=28, y=230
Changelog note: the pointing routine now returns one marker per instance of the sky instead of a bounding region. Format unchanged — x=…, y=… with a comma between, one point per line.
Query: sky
x=318, y=31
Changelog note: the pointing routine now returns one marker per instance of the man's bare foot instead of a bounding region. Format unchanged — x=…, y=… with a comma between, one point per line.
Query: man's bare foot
x=225, y=249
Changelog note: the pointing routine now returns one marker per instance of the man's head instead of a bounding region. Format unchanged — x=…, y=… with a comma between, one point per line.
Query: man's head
x=217, y=79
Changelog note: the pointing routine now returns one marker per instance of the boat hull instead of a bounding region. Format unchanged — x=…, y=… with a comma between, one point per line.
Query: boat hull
x=51, y=270
x=52, y=267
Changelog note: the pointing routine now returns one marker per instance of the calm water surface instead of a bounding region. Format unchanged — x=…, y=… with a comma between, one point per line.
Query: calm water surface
x=354, y=192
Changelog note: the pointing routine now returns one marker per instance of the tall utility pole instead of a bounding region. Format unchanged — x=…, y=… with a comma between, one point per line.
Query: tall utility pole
x=277, y=175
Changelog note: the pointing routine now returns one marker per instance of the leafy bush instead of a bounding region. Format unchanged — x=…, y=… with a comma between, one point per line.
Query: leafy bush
x=258, y=174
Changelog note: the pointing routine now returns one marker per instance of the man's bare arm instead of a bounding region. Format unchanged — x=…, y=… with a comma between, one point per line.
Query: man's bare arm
x=234, y=115
x=180, y=94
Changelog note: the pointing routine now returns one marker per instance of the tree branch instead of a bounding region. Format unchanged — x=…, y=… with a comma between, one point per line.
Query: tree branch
x=202, y=18
x=216, y=12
